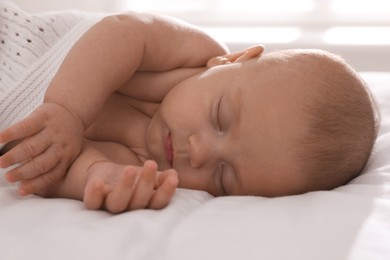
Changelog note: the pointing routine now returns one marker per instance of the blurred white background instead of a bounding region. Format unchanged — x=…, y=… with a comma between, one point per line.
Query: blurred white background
x=358, y=30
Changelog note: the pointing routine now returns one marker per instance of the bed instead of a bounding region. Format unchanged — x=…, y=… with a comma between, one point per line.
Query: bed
x=349, y=222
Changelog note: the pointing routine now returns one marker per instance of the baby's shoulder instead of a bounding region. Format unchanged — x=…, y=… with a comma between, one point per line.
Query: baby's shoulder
x=154, y=86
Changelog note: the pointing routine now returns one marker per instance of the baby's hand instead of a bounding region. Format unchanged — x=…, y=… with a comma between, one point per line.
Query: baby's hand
x=50, y=138
x=119, y=188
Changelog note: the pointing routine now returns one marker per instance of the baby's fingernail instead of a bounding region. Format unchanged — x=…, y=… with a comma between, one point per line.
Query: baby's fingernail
x=22, y=192
x=9, y=178
x=99, y=184
x=151, y=165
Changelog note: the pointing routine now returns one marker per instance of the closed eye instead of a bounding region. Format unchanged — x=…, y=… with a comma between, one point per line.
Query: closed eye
x=217, y=115
x=220, y=174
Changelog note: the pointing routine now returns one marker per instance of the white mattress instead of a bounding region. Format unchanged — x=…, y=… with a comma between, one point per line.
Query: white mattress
x=350, y=222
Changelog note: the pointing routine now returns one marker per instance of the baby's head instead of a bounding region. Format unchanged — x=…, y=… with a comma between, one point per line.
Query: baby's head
x=339, y=114
x=284, y=123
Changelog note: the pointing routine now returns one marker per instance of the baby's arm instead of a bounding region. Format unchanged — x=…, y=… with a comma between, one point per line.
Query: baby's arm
x=99, y=64
x=122, y=45
x=101, y=177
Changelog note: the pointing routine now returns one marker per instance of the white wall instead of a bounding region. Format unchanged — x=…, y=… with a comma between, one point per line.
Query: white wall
x=362, y=58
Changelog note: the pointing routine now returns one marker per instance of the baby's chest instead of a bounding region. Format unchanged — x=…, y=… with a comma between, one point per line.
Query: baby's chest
x=124, y=121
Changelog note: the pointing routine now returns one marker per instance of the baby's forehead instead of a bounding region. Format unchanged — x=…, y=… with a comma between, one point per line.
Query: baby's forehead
x=278, y=64
x=285, y=77
x=296, y=56
x=311, y=66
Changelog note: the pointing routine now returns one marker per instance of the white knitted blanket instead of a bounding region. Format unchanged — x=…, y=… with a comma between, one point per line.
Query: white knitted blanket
x=32, y=47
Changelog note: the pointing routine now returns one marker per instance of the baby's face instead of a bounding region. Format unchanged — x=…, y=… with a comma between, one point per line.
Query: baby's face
x=231, y=130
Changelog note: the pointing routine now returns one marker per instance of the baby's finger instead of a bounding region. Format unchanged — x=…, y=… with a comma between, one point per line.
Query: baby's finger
x=94, y=194
x=41, y=182
x=25, y=150
x=22, y=129
x=163, y=195
x=33, y=168
x=145, y=186
x=118, y=200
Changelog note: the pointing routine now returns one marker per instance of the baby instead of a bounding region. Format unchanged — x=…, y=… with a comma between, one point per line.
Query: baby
x=143, y=104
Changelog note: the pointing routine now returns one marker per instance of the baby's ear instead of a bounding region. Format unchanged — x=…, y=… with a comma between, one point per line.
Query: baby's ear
x=240, y=56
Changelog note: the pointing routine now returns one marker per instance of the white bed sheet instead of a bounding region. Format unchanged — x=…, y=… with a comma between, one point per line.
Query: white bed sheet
x=350, y=222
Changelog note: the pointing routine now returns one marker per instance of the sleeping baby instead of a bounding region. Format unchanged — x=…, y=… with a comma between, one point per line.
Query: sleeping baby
x=142, y=104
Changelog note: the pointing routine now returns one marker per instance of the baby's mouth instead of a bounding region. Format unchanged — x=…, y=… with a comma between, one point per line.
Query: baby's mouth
x=169, y=149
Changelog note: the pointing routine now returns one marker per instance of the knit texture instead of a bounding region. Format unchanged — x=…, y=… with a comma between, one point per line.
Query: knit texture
x=32, y=47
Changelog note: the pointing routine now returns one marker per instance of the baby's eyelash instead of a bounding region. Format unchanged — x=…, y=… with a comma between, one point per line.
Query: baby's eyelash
x=222, y=166
x=217, y=116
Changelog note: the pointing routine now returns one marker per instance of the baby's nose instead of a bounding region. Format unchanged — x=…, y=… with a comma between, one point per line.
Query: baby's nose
x=200, y=151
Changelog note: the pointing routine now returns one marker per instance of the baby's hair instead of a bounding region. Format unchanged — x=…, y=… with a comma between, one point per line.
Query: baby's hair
x=342, y=121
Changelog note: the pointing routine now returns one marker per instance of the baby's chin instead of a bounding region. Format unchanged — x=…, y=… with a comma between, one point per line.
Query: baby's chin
x=155, y=154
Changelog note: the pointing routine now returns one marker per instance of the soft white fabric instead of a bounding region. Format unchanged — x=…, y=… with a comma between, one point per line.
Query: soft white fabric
x=349, y=223
x=32, y=47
